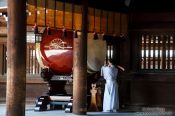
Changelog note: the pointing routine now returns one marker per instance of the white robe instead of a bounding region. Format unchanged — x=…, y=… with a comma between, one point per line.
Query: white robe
x=110, y=99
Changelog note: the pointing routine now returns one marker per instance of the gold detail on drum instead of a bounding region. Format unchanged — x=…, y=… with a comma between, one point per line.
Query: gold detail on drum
x=57, y=43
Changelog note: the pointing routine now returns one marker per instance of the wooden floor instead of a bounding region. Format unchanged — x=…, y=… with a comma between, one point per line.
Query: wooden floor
x=30, y=112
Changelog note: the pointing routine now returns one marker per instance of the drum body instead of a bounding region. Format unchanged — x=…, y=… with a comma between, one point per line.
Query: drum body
x=57, y=51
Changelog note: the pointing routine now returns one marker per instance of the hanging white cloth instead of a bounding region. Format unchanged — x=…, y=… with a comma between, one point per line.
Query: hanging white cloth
x=96, y=53
x=110, y=100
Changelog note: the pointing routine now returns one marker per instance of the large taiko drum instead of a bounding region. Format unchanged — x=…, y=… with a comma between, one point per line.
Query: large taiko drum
x=57, y=51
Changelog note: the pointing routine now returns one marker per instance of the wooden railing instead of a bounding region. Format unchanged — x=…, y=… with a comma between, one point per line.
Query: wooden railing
x=157, y=51
x=32, y=66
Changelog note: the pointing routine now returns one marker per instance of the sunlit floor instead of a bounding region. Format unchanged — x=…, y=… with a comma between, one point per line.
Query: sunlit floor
x=30, y=112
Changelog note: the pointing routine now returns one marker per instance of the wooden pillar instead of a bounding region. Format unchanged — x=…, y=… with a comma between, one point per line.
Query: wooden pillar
x=16, y=58
x=80, y=66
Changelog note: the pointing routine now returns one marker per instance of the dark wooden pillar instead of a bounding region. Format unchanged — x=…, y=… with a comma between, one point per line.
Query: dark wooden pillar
x=16, y=58
x=80, y=66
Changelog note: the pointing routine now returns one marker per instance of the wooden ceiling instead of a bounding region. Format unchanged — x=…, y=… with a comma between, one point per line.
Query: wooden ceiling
x=111, y=5
x=152, y=6
x=126, y=5
x=134, y=5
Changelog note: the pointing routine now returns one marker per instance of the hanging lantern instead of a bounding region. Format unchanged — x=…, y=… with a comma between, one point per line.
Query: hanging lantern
x=95, y=33
x=122, y=35
x=35, y=29
x=95, y=36
x=64, y=33
x=75, y=34
x=48, y=30
x=103, y=36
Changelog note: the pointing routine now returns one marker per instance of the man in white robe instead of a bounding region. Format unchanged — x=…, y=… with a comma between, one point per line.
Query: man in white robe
x=110, y=99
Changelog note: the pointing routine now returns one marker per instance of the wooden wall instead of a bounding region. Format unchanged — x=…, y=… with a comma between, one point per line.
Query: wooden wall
x=150, y=88
x=159, y=21
x=35, y=87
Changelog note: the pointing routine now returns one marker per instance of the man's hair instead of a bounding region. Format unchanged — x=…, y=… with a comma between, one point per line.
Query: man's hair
x=111, y=61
